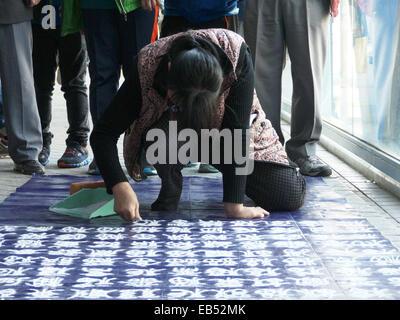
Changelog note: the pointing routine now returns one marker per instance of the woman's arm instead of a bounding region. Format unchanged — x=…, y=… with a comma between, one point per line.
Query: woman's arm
x=240, y=101
x=123, y=110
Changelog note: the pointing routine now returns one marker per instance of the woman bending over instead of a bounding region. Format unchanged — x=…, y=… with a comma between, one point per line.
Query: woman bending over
x=202, y=80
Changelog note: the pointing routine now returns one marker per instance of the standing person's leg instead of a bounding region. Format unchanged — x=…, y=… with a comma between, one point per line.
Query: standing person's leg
x=73, y=64
x=2, y=121
x=3, y=131
x=225, y=22
x=172, y=25
x=307, y=32
x=103, y=46
x=270, y=61
x=45, y=51
x=135, y=33
x=140, y=29
x=250, y=25
x=242, y=8
x=232, y=22
x=19, y=99
x=276, y=187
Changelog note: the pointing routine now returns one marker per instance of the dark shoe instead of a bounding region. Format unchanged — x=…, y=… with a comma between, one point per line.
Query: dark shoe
x=313, y=167
x=44, y=155
x=207, y=168
x=3, y=146
x=93, y=170
x=74, y=156
x=29, y=167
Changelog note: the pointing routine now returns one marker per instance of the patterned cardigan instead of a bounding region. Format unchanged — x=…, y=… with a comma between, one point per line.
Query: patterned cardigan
x=264, y=143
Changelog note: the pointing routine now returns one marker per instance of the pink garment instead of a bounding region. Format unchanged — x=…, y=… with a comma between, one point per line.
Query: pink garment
x=264, y=142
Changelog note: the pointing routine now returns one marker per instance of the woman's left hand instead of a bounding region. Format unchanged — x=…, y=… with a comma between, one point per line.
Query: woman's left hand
x=239, y=211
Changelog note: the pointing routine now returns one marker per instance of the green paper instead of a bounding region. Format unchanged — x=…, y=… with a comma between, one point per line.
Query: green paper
x=86, y=204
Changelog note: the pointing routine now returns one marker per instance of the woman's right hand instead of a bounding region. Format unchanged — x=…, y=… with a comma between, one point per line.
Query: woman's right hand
x=126, y=203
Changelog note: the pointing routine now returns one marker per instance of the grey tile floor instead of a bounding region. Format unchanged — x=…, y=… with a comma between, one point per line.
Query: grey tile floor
x=381, y=208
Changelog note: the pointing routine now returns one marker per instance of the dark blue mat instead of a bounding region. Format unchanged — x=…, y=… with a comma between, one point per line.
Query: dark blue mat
x=326, y=250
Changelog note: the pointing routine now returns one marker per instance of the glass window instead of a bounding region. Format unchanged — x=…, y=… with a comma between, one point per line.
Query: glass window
x=362, y=79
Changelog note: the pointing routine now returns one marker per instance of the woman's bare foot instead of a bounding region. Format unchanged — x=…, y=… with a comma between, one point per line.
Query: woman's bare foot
x=238, y=211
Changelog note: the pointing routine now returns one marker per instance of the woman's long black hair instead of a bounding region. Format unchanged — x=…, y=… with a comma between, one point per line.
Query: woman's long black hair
x=195, y=78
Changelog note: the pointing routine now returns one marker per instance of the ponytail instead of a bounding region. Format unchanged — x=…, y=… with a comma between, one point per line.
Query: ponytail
x=195, y=78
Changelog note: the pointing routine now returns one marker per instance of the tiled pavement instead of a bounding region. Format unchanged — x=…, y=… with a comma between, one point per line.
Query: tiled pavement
x=377, y=205
x=381, y=208
x=326, y=250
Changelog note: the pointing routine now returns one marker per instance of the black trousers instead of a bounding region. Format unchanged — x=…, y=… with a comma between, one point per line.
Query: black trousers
x=274, y=187
x=69, y=53
x=173, y=24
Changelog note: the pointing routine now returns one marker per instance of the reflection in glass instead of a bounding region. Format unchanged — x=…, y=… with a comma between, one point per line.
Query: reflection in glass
x=362, y=81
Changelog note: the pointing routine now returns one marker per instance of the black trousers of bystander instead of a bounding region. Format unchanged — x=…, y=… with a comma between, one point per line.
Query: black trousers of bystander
x=175, y=24
x=50, y=50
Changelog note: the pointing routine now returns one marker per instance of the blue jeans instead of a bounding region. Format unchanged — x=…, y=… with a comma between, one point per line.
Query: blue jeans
x=112, y=44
